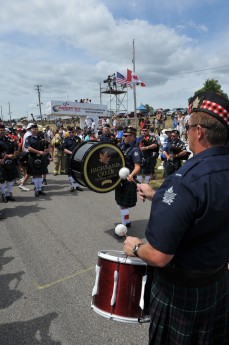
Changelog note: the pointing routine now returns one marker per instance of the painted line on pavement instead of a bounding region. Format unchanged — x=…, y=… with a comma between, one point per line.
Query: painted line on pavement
x=41, y=287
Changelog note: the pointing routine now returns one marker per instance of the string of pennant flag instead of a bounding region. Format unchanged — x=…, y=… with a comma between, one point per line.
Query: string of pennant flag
x=130, y=79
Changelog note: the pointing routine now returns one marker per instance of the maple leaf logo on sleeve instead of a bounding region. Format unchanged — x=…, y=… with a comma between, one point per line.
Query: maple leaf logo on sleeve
x=104, y=158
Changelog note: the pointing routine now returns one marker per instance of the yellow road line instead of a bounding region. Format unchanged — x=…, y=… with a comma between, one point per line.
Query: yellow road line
x=41, y=287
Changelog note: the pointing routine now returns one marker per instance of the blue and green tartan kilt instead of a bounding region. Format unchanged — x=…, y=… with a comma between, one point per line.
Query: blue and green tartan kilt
x=8, y=174
x=148, y=165
x=33, y=170
x=126, y=194
x=189, y=316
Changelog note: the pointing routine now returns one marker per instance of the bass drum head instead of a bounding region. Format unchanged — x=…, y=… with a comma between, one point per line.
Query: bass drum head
x=96, y=165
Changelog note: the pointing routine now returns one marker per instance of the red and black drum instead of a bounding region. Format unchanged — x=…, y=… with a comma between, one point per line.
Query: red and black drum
x=122, y=287
x=96, y=165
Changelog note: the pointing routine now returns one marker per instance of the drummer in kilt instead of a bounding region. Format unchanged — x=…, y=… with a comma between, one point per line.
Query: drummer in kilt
x=37, y=161
x=8, y=170
x=126, y=191
x=149, y=148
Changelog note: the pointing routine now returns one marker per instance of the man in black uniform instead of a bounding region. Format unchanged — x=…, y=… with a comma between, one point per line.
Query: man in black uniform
x=126, y=191
x=149, y=147
x=69, y=144
x=8, y=170
x=37, y=162
x=2, y=160
x=174, y=152
x=106, y=134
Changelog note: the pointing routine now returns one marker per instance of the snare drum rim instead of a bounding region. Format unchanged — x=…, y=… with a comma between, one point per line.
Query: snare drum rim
x=91, y=151
x=104, y=254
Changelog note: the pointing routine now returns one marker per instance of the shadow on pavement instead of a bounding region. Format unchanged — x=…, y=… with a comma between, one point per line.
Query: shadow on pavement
x=137, y=229
x=9, y=292
x=30, y=332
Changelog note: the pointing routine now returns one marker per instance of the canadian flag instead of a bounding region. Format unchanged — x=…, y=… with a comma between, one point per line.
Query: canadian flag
x=133, y=78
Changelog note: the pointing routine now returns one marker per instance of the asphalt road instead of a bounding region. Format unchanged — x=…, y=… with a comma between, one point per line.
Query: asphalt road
x=48, y=252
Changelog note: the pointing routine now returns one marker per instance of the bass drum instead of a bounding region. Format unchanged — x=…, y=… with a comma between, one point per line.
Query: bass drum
x=96, y=165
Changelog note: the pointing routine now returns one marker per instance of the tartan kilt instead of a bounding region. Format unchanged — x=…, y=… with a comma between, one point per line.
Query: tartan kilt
x=9, y=174
x=189, y=316
x=172, y=166
x=126, y=194
x=34, y=171
x=67, y=161
x=148, y=165
x=23, y=158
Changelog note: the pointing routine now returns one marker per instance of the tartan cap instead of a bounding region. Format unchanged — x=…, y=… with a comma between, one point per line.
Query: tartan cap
x=213, y=104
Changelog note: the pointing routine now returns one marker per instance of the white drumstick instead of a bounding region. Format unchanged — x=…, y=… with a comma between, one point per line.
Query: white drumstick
x=121, y=230
x=124, y=173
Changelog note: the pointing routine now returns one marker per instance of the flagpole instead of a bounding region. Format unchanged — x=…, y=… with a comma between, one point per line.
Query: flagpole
x=134, y=89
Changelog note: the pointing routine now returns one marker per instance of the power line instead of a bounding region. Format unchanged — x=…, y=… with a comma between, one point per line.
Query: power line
x=205, y=69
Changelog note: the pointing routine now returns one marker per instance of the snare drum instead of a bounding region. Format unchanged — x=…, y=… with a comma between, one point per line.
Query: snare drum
x=122, y=287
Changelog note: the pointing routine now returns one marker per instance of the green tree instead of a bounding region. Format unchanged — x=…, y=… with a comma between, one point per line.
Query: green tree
x=150, y=109
x=211, y=85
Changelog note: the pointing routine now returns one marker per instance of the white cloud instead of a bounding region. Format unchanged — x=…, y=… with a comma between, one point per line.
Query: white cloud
x=69, y=48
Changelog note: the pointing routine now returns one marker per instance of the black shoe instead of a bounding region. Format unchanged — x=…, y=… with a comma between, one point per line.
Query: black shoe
x=10, y=197
x=128, y=225
x=79, y=189
x=36, y=193
x=72, y=189
x=45, y=181
x=4, y=198
x=41, y=192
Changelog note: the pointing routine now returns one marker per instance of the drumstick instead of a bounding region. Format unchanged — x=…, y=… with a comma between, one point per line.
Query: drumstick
x=124, y=173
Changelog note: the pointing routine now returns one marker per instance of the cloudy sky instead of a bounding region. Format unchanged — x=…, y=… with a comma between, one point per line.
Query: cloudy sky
x=70, y=47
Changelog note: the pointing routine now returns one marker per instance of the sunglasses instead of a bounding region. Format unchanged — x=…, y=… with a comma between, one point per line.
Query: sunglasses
x=127, y=135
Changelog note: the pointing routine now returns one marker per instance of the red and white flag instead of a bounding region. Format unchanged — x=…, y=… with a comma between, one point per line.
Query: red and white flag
x=133, y=78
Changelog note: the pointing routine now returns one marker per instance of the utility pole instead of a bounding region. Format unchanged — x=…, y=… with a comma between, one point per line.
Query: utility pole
x=1, y=113
x=37, y=88
x=9, y=112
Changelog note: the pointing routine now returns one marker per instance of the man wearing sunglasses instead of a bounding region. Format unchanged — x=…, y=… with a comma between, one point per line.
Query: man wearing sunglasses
x=149, y=147
x=38, y=150
x=188, y=236
x=174, y=152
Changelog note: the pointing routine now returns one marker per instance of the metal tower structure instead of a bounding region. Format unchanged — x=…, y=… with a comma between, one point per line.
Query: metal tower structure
x=114, y=95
